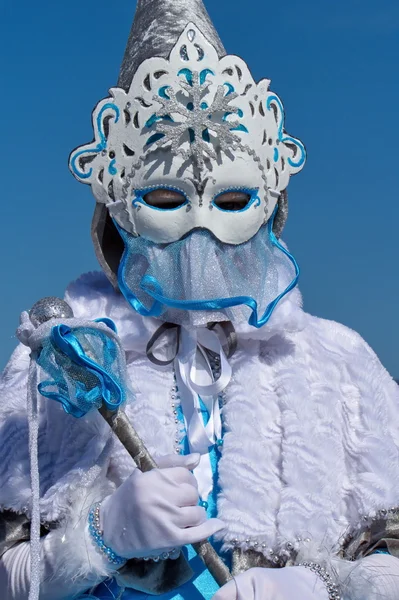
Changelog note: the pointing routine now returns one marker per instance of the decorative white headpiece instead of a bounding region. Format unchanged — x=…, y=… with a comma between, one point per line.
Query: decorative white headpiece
x=193, y=121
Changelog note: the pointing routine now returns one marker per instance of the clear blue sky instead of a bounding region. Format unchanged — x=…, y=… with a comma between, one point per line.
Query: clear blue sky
x=335, y=65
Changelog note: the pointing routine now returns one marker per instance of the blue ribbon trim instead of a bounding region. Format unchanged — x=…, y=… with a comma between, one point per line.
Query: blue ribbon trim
x=151, y=286
x=108, y=390
x=283, y=137
x=100, y=146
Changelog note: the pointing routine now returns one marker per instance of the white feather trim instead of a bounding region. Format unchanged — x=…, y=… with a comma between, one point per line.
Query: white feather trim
x=71, y=551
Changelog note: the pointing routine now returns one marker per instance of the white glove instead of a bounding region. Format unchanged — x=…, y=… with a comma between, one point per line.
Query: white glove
x=289, y=583
x=153, y=512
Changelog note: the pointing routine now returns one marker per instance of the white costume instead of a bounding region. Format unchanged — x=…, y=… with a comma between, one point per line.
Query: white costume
x=294, y=420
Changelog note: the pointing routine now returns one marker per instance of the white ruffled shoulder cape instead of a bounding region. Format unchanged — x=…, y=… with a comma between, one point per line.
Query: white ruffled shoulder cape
x=311, y=421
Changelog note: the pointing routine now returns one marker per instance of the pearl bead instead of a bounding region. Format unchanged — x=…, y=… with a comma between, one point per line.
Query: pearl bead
x=204, y=504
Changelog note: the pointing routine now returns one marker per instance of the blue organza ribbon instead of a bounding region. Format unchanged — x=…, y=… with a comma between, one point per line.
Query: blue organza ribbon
x=151, y=286
x=66, y=360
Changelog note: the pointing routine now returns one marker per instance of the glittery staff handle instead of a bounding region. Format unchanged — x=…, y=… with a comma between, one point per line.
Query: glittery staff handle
x=49, y=308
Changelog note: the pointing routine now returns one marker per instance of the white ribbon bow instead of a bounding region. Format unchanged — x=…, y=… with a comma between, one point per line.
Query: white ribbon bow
x=196, y=383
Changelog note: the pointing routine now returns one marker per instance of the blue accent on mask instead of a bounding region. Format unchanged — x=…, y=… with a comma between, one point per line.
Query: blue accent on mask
x=187, y=74
x=230, y=88
x=239, y=127
x=78, y=382
x=153, y=119
x=139, y=277
x=100, y=146
x=154, y=138
x=162, y=92
x=111, y=168
x=204, y=74
x=286, y=138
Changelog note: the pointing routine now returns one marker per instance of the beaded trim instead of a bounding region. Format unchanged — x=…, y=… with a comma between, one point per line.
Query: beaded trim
x=175, y=404
x=332, y=588
x=173, y=554
x=97, y=536
x=279, y=557
x=367, y=520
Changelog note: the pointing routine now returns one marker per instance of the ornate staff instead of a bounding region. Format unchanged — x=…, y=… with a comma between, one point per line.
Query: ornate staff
x=79, y=367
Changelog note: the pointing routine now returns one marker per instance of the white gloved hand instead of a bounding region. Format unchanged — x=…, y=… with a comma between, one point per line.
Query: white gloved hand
x=153, y=512
x=289, y=583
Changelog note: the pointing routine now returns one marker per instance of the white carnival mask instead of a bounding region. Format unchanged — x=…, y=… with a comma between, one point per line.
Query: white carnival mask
x=200, y=128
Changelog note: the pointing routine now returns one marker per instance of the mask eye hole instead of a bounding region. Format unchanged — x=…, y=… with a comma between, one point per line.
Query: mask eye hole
x=232, y=201
x=165, y=199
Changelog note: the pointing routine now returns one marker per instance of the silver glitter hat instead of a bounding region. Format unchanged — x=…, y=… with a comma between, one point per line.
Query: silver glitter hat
x=156, y=27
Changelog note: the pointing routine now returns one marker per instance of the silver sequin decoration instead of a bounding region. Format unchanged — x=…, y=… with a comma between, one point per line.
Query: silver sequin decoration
x=197, y=120
x=49, y=308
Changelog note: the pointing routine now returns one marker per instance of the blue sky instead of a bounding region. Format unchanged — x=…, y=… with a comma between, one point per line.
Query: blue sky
x=334, y=64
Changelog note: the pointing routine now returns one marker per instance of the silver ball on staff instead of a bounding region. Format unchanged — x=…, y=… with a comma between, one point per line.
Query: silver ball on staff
x=49, y=308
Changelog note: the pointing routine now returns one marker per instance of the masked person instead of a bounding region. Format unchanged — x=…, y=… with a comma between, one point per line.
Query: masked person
x=275, y=433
